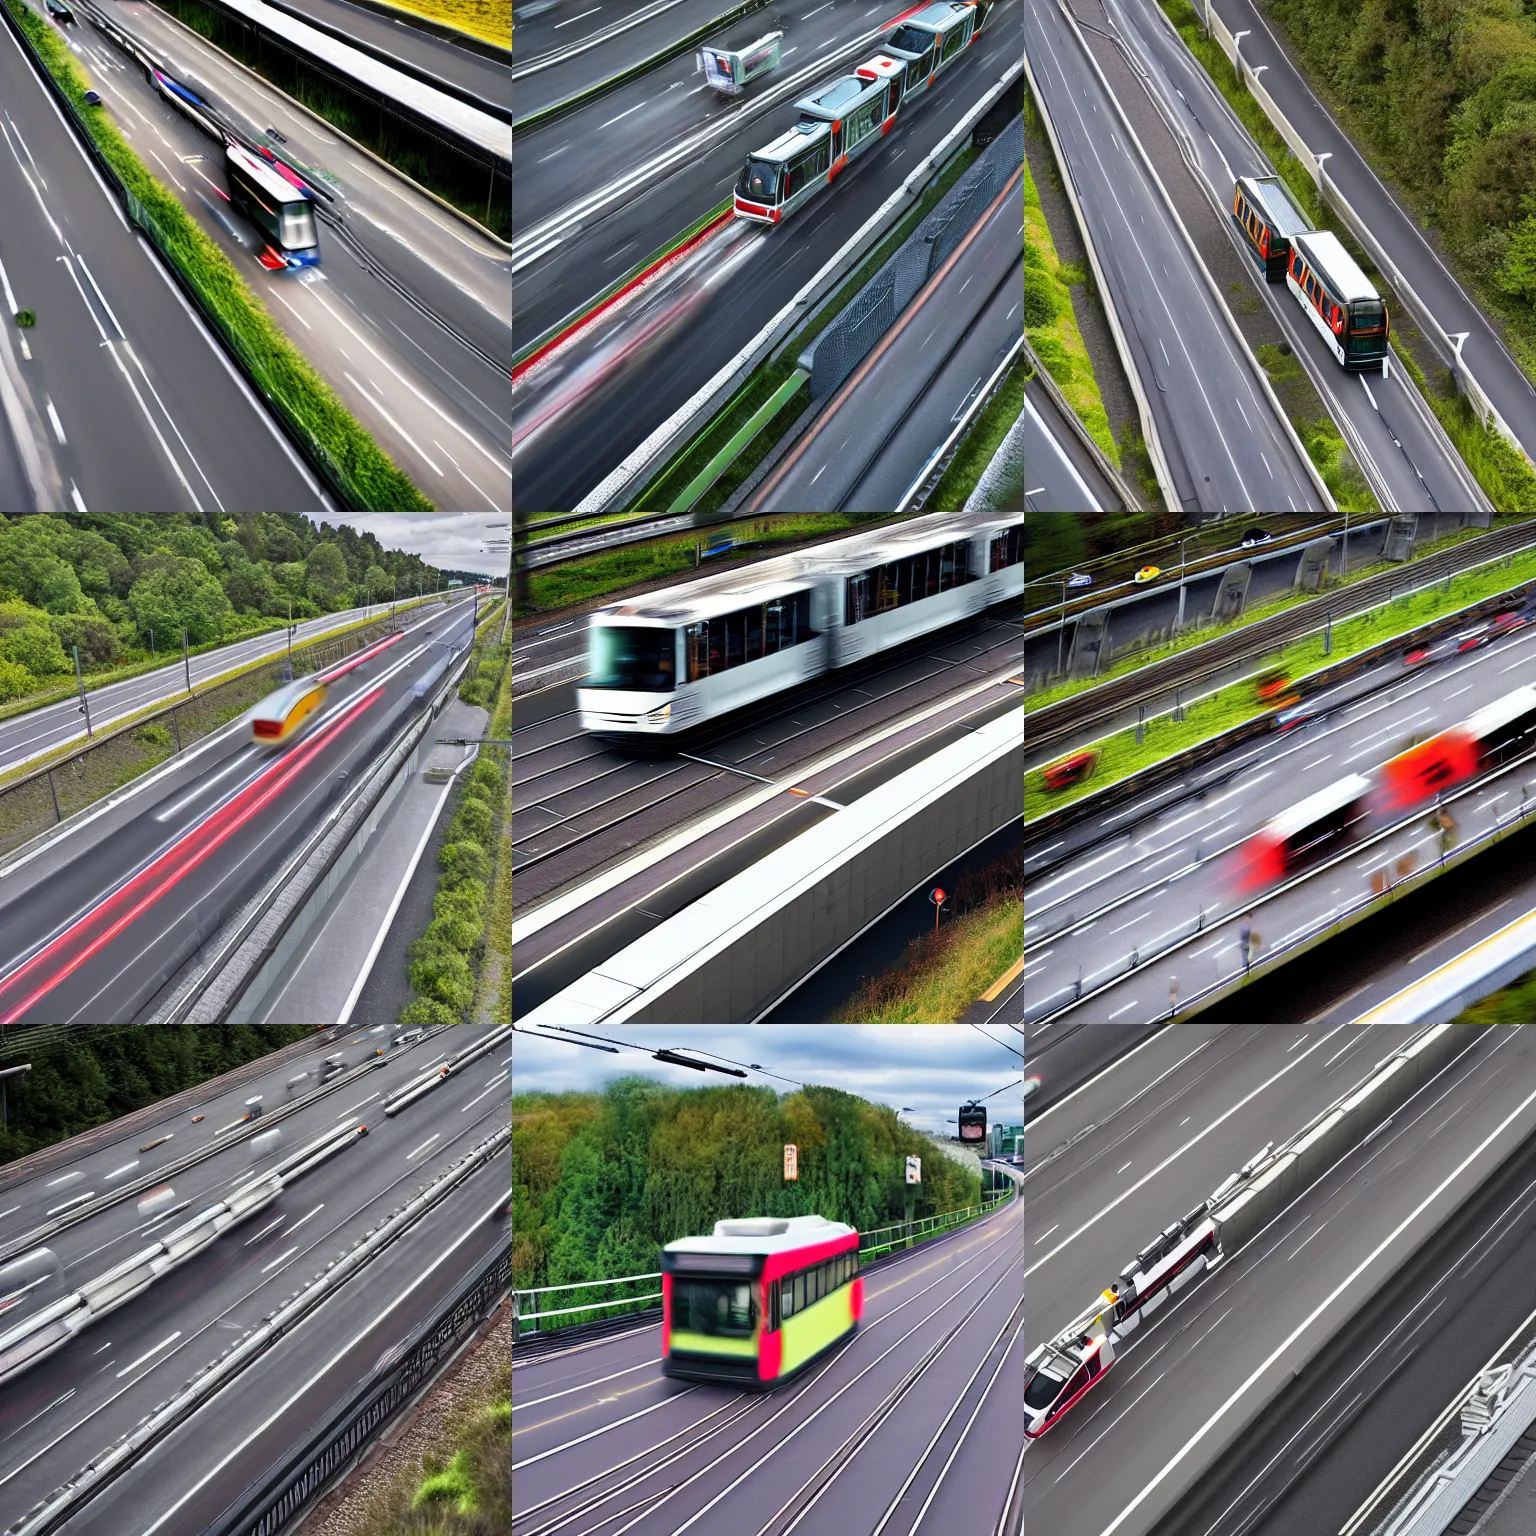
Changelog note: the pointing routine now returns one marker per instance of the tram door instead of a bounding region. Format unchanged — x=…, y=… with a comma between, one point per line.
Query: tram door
x=858, y=598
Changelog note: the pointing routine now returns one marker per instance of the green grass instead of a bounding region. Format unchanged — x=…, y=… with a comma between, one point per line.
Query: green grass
x=940, y=975
x=759, y=388
x=276, y=367
x=614, y=569
x=1506, y=478
x=1051, y=324
x=1164, y=737
x=978, y=448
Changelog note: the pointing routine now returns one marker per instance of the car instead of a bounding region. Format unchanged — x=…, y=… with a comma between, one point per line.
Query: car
x=1079, y=579
x=1255, y=536
x=59, y=11
x=1297, y=714
x=1070, y=770
x=1507, y=623
x=1148, y=573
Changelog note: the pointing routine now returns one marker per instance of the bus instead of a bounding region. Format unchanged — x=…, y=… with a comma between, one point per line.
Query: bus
x=1339, y=300
x=278, y=208
x=1308, y=829
x=1268, y=217
x=758, y=1300
x=850, y=114
x=730, y=70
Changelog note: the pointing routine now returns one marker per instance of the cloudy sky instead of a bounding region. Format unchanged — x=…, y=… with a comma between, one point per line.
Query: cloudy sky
x=932, y=1068
x=452, y=541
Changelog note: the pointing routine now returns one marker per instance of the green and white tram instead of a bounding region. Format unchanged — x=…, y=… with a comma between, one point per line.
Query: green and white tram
x=758, y=1300
x=1339, y=299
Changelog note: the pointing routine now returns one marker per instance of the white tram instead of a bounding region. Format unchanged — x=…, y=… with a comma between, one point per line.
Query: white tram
x=670, y=660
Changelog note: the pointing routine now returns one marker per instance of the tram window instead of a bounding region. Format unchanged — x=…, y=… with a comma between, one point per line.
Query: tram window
x=862, y=123
x=735, y=638
x=800, y=1301
x=786, y=1291
x=946, y=567
x=951, y=44
x=1007, y=548
x=754, y=618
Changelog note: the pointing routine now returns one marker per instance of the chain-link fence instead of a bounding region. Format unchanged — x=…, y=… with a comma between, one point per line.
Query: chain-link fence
x=839, y=349
x=33, y=804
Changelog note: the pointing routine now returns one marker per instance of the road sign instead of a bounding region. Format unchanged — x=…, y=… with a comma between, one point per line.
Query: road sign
x=791, y=1160
x=914, y=1170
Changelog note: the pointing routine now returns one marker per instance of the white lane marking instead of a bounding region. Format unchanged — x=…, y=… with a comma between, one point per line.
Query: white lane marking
x=271, y=1226
x=423, y=1147
x=163, y=1344
x=302, y=1219
x=282, y=1258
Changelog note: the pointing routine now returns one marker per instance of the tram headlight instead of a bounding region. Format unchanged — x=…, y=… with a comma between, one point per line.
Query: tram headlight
x=659, y=716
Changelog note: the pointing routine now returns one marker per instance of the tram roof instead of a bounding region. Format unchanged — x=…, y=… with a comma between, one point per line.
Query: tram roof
x=1270, y=193
x=1335, y=266
x=797, y=1232
x=728, y=590
x=792, y=141
x=941, y=16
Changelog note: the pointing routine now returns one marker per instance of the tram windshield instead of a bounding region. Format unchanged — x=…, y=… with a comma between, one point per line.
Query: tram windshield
x=723, y=1308
x=638, y=660
x=759, y=181
x=1042, y=1391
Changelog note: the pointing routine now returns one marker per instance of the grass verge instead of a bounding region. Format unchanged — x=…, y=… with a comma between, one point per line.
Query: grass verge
x=1506, y=478
x=979, y=446
x=675, y=476
x=489, y=20
x=1051, y=325
x=613, y=569
x=941, y=974
x=1165, y=737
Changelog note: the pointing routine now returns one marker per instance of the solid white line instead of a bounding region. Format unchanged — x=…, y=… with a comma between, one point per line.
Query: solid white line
x=302, y=1219
x=1344, y=1285
x=423, y=1147
x=270, y=1226
x=282, y=1258
x=394, y=905
x=491, y=1214
x=150, y=1355
x=369, y=1100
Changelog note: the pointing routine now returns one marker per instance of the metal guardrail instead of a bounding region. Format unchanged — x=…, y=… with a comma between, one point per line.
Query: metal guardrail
x=1059, y=720
x=270, y=1506
x=911, y=1232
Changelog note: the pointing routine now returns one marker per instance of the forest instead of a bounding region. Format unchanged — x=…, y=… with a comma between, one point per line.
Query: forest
x=1443, y=92
x=122, y=587
x=101, y=1075
x=601, y=1181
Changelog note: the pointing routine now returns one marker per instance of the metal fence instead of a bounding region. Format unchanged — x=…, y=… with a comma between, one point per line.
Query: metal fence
x=872, y=1244
x=270, y=1506
x=845, y=342
x=42, y=799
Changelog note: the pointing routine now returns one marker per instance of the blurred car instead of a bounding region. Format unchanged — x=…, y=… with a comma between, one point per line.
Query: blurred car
x=1032, y=1085
x=1070, y=770
x=1148, y=573
x=59, y=11
x=1255, y=536
x=1297, y=714
x=1079, y=579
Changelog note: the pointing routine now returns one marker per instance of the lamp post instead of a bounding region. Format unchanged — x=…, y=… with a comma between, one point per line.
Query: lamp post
x=1178, y=623
x=5, y=1073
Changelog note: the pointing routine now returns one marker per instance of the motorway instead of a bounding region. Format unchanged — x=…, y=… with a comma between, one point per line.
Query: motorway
x=28, y=736
x=71, y=1406
x=581, y=411
x=1227, y=445
x=912, y=1427
x=1142, y=906
x=1397, y=441
x=1410, y=249
x=879, y=431
x=408, y=315
x=606, y=845
x=1146, y=1141
x=1061, y=474
x=95, y=922
x=163, y=422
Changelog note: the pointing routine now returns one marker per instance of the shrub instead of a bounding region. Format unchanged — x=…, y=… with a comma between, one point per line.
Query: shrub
x=15, y=681
x=464, y=861
x=427, y=1010
x=96, y=637
x=438, y=970
x=461, y=930
x=472, y=820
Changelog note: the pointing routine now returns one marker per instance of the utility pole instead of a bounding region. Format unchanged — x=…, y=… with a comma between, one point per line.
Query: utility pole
x=186, y=660
x=85, y=705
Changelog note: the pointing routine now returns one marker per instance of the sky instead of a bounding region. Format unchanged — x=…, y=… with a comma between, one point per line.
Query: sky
x=451, y=541
x=933, y=1068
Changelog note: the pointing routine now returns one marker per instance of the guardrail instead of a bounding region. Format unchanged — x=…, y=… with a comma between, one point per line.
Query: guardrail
x=910, y=1233
x=1065, y=717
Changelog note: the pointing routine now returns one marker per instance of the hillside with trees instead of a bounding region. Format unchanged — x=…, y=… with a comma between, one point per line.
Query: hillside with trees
x=601, y=1181
x=1442, y=95
x=122, y=587
x=104, y=1073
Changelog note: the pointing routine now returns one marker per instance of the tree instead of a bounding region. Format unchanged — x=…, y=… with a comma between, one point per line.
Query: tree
x=377, y=584
x=94, y=635
x=325, y=576
x=183, y=596
x=249, y=589
x=1517, y=276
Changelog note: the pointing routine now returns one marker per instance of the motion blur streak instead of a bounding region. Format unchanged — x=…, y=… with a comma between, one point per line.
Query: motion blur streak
x=222, y=824
x=352, y=662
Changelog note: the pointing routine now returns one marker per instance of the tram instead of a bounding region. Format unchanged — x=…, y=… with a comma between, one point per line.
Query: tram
x=672, y=660
x=1339, y=300
x=284, y=716
x=850, y=114
x=758, y=1300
